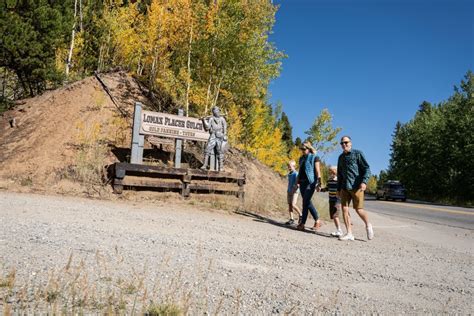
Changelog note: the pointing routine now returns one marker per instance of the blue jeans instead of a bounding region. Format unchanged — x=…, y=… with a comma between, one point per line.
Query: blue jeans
x=307, y=191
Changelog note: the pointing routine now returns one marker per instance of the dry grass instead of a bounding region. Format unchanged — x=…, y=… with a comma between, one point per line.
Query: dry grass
x=322, y=205
x=26, y=181
x=79, y=288
x=8, y=280
x=91, y=154
x=105, y=285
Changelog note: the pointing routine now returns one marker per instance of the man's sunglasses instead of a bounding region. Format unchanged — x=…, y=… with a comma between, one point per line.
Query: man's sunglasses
x=344, y=143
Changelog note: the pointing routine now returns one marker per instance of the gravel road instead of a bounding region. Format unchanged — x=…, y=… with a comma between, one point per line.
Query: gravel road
x=221, y=262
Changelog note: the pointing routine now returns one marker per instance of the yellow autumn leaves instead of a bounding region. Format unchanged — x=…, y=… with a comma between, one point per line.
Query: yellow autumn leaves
x=200, y=53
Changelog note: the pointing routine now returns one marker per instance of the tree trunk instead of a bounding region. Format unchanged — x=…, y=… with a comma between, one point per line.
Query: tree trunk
x=102, y=54
x=218, y=88
x=210, y=83
x=139, y=65
x=188, y=86
x=4, y=82
x=22, y=82
x=101, y=49
x=69, y=57
x=32, y=94
x=80, y=15
x=154, y=69
x=208, y=93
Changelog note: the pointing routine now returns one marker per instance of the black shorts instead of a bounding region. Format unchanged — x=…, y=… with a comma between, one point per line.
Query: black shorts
x=334, y=207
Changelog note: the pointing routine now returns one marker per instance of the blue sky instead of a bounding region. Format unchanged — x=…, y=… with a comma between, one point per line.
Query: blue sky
x=371, y=63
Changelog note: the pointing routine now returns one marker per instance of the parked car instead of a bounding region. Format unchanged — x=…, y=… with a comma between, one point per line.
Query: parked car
x=392, y=190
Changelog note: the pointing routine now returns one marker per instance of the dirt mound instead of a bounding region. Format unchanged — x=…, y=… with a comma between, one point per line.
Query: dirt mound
x=62, y=140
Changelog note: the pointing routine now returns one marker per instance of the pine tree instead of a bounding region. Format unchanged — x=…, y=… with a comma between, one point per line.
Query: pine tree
x=287, y=131
x=429, y=153
x=298, y=142
x=32, y=32
x=382, y=178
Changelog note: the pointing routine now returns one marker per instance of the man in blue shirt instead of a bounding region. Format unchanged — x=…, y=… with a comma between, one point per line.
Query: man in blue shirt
x=353, y=172
x=292, y=192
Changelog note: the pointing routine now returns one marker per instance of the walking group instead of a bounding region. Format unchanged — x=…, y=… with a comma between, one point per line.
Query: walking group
x=347, y=183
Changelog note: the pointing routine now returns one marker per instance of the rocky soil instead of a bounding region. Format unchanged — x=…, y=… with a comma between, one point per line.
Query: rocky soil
x=76, y=254
x=64, y=138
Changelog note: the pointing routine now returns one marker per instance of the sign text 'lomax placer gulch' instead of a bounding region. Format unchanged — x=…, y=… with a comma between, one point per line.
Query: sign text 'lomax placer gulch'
x=174, y=126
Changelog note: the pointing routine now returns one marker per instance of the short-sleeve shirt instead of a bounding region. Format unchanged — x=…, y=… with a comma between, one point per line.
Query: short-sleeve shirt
x=332, y=190
x=292, y=176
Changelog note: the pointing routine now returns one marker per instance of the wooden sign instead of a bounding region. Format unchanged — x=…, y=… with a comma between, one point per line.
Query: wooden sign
x=173, y=126
x=157, y=141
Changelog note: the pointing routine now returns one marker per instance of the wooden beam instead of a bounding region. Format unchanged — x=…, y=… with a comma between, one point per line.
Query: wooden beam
x=185, y=180
x=152, y=169
x=214, y=174
x=151, y=183
x=212, y=187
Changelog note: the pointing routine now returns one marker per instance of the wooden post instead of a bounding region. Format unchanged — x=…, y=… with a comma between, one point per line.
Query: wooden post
x=138, y=140
x=241, y=193
x=179, y=146
x=186, y=191
x=119, y=174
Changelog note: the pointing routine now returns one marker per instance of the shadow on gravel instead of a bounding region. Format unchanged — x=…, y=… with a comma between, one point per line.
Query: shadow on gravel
x=263, y=219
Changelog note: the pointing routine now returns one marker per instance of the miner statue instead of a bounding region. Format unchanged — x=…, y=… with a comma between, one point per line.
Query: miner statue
x=217, y=128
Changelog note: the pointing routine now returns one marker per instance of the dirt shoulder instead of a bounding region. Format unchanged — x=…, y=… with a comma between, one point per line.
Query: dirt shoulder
x=65, y=139
x=222, y=262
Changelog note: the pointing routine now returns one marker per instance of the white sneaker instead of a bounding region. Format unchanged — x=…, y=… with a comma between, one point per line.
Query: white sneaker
x=337, y=233
x=370, y=232
x=347, y=237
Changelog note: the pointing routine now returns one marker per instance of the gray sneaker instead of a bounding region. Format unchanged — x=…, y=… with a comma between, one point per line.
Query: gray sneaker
x=290, y=222
x=370, y=232
x=346, y=237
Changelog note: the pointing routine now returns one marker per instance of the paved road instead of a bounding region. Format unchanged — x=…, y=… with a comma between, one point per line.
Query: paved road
x=459, y=217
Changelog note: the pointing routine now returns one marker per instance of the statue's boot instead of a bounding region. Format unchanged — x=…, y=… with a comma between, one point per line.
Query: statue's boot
x=206, y=162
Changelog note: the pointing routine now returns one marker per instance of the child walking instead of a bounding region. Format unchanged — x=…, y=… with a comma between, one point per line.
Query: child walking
x=334, y=201
x=292, y=192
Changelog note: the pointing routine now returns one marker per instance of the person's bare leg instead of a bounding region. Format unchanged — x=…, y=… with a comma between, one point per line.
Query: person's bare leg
x=363, y=215
x=347, y=219
x=337, y=223
x=290, y=210
x=297, y=210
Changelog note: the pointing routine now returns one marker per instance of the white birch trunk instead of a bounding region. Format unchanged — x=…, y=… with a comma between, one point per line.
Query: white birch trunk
x=80, y=15
x=154, y=68
x=71, y=48
x=210, y=84
x=218, y=88
x=208, y=93
x=188, y=86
